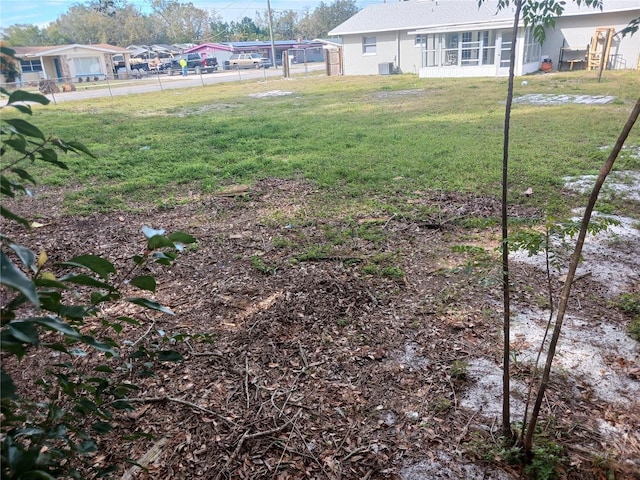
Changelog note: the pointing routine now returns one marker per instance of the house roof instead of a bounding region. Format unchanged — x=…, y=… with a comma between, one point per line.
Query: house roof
x=278, y=43
x=210, y=46
x=48, y=51
x=421, y=14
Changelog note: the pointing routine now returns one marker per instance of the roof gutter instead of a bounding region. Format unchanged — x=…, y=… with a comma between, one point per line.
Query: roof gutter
x=466, y=27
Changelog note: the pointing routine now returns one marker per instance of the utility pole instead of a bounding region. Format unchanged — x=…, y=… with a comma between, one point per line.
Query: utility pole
x=273, y=45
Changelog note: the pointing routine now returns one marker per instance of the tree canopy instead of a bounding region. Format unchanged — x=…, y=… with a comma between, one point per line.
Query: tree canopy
x=121, y=23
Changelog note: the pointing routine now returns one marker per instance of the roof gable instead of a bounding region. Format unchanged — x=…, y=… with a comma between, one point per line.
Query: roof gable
x=417, y=14
x=48, y=51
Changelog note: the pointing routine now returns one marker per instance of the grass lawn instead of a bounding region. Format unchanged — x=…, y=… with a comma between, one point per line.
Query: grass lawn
x=358, y=137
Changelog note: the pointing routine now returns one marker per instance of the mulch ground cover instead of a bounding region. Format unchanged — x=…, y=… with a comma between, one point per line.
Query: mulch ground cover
x=314, y=348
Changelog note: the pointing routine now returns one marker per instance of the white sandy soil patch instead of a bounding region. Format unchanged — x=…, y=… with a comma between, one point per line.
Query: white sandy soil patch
x=610, y=258
x=624, y=184
x=445, y=466
x=590, y=352
x=548, y=99
x=272, y=93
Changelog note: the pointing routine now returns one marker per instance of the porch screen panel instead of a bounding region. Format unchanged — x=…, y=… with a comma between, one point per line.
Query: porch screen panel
x=505, y=49
x=488, y=47
x=431, y=48
x=87, y=66
x=470, y=48
x=450, y=50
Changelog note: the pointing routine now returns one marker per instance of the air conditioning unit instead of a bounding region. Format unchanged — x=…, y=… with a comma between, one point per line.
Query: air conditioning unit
x=385, y=68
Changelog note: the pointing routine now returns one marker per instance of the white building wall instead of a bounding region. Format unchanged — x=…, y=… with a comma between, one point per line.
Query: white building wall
x=577, y=31
x=399, y=48
x=391, y=47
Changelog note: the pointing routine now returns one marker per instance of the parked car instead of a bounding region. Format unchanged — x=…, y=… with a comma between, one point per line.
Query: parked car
x=248, y=60
x=195, y=63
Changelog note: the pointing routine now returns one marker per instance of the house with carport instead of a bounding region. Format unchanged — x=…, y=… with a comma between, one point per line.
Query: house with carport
x=458, y=38
x=68, y=63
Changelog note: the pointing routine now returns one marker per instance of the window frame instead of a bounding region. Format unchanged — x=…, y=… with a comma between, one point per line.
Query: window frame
x=33, y=65
x=369, y=46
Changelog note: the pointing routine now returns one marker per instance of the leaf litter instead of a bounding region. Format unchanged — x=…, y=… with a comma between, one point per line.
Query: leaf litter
x=320, y=368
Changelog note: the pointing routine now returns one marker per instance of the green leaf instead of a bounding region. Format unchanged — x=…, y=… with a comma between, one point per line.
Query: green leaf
x=23, y=96
x=150, y=232
x=6, y=213
x=87, y=280
x=168, y=256
x=10, y=344
x=101, y=427
x=25, y=128
x=56, y=324
x=94, y=263
x=23, y=174
x=169, y=356
x=50, y=156
x=144, y=282
x=17, y=143
x=74, y=312
x=26, y=109
x=181, y=237
x=122, y=405
x=14, y=278
x=26, y=255
x=159, y=241
x=7, y=387
x=24, y=331
x=103, y=368
x=129, y=320
x=45, y=282
x=150, y=304
x=103, y=347
x=79, y=147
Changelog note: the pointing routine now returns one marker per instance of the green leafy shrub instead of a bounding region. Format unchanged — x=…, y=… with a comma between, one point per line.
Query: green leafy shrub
x=47, y=434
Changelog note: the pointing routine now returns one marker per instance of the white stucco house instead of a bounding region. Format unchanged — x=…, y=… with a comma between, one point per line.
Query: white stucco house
x=67, y=62
x=456, y=38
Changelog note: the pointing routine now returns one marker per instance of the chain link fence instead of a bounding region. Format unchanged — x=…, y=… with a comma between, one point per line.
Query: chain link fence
x=141, y=81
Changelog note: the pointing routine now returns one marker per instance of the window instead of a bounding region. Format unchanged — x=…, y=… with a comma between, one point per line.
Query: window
x=368, y=45
x=420, y=40
x=87, y=66
x=31, y=65
x=531, y=47
x=505, y=50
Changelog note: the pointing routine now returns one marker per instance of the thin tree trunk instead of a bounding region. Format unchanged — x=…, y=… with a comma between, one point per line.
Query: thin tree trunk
x=506, y=291
x=573, y=265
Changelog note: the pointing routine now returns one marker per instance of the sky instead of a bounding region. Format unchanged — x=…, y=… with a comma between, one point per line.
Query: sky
x=41, y=12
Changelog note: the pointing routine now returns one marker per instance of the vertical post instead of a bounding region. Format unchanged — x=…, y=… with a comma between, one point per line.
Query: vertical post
x=273, y=44
x=106, y=77
x=159, y=82
x=604, y=57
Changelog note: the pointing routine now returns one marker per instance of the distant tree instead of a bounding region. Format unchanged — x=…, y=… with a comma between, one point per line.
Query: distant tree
x=177, y=22
x=246, y=30
x=219, y=31
x=89, y=24
x=285, y=24
x=105, y=7
x=23, y=35
x=326, y=17
x=8, y=63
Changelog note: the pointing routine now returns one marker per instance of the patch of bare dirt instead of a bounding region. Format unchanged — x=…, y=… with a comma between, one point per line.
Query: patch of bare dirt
x=324, y=366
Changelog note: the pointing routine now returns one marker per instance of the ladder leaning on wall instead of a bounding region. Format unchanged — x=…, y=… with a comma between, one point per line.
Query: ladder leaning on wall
x=600, y=47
